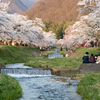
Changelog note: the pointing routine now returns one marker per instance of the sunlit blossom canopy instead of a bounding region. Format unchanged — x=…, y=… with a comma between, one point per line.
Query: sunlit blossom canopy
x=87, y=29
x=18, y=28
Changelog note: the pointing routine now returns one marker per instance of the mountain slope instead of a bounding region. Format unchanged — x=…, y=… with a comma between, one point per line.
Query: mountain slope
x=54, y=10
x=28, y=3
x=19, y=6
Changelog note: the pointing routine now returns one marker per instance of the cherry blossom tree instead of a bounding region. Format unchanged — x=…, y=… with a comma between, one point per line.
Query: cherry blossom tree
x=87, y=29
x=15, y=27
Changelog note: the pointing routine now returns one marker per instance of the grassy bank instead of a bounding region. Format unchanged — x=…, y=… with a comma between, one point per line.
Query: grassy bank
x=62, y=63
x=9, y=88
x=89, y=86
x=12, y=54
x=58, y=63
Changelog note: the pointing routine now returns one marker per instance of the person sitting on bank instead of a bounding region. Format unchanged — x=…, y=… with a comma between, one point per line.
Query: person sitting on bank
x=71, y=51
x=61, y=49
x=98, y=59
x=92, y=59
x=86, y=58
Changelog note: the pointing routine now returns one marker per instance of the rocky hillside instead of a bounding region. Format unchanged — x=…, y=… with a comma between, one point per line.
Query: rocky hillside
x=19, y=6
x=54, y=10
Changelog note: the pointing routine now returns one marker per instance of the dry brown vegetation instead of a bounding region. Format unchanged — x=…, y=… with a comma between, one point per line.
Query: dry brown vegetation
x=54, y=10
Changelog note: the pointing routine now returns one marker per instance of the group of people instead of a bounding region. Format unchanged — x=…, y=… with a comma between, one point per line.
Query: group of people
x=67, y=49
x=93, y=59
x=61, y=49
x=44, y=48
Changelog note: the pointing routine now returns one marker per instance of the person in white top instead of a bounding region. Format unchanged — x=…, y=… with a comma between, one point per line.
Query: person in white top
x=98, y=59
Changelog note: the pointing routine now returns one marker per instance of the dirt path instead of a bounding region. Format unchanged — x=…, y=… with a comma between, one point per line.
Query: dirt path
x=73, y=54
x=36, y=54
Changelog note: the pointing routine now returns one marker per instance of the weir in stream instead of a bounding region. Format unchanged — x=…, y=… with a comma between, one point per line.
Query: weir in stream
x=39, y=84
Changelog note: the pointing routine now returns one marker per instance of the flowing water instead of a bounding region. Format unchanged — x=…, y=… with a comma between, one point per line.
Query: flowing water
x=39, y=84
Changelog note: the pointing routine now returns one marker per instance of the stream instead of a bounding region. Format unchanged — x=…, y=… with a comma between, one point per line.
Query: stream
x=39, y=84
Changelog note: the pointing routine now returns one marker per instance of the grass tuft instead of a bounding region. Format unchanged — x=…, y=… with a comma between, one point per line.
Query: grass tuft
x=89, y=86
x=9, y=88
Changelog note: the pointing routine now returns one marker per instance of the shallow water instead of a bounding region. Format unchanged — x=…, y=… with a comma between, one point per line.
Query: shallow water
x=45, y=87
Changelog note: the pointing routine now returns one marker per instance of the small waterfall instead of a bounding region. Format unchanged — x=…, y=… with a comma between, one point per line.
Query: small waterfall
x=25, y=71
x=19, y=69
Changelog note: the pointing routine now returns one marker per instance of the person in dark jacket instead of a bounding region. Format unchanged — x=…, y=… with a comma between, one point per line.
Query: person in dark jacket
x=61, y=49
x=92, y=59
x=86, y=58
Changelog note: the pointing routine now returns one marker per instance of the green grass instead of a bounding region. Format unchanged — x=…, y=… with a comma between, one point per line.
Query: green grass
x=62, y=63
x=12, y=54
x=59, y=63
x=89, y=86
x=9, y=88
